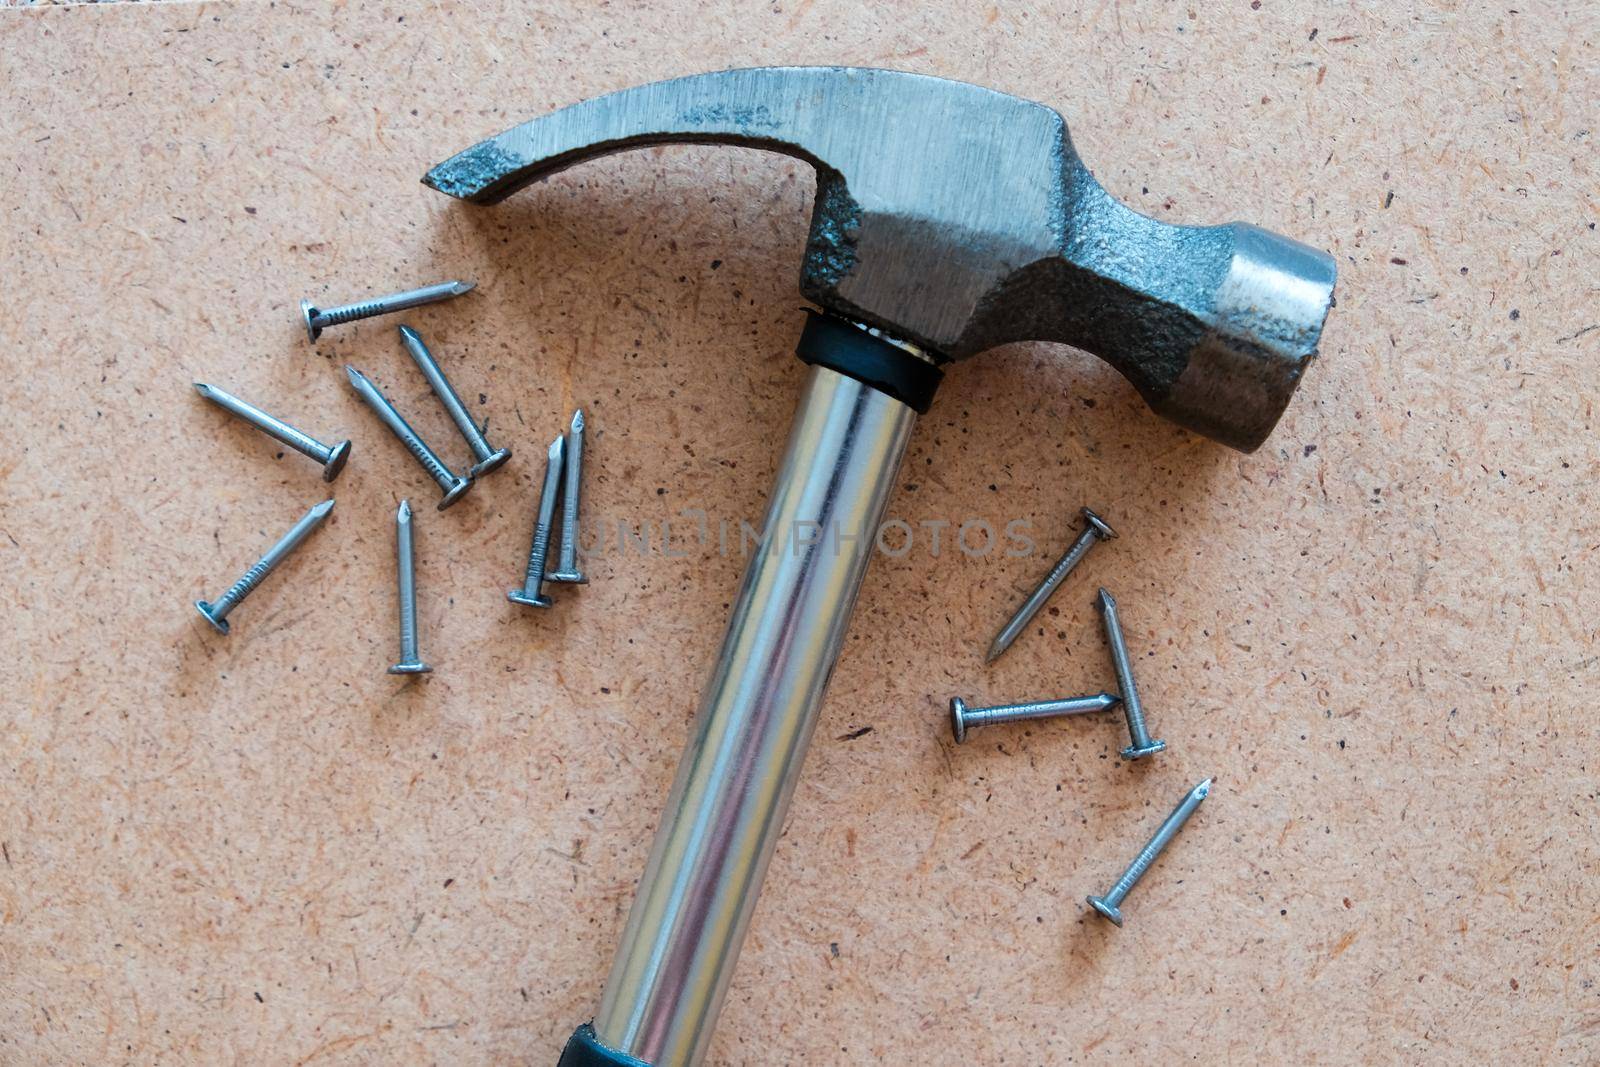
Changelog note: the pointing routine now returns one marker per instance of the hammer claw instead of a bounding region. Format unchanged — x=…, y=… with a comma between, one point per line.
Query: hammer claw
x=768, y=107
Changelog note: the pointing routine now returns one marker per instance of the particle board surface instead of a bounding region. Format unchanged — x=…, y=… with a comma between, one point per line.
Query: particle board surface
x=1378, y=632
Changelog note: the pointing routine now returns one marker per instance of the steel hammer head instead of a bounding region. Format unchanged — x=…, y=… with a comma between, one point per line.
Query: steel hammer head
x=958, y=218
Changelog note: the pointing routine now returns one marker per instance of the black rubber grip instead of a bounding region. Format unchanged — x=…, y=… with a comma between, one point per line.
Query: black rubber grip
x=585, y=1050
x=838, y=345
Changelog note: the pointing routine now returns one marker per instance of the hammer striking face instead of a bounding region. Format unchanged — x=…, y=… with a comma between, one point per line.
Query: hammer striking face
x=958, y=218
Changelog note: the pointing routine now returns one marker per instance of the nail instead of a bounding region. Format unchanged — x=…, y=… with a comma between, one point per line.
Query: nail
x=487, y=457
x=332, y=459
x=567, y=569
x=453, y=487
x=963, y=718
x=317, y=320
x=1094, y=532
x=406, y=575
x=217, y=613
x=1141, y=745
x=532, y=593
x=1110, y=904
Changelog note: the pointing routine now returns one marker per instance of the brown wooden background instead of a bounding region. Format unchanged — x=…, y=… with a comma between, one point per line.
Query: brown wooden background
x=1378, y=632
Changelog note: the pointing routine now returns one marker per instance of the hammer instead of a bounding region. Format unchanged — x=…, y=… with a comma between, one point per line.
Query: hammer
x=948, y=219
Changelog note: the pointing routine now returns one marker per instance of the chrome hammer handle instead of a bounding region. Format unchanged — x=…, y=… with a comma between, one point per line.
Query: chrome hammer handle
x=727, y=806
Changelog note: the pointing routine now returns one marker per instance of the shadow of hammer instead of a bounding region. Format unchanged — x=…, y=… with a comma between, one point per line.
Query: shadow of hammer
x=948, y=219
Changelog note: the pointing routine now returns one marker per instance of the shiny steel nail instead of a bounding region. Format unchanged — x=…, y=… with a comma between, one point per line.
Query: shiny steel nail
x=1138, y=734
x=317, y=320
x=1110, y=904
x=963, y=718
x=406, y=580
x=532, y=593
x=567, y=569
x=453, y=486
x=1094, y=532
x=487, y=457
x=217, y=613
x=332, y=459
